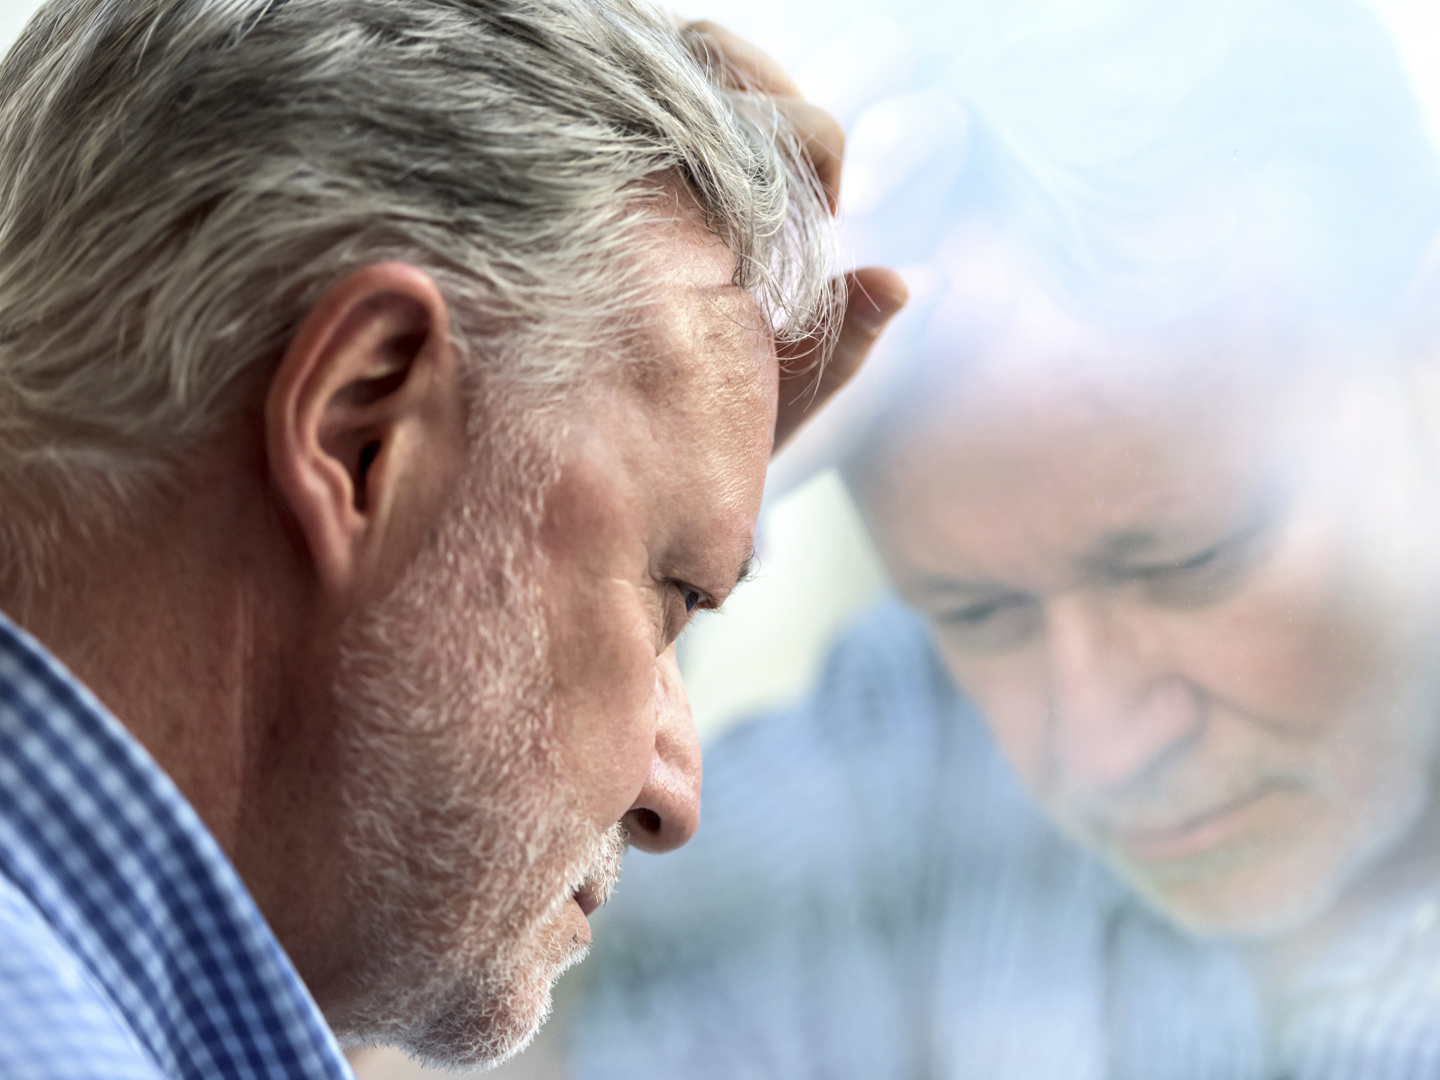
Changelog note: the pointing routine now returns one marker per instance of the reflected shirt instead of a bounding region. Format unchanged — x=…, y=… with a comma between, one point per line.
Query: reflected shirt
x=128, y=946
x=873, y=895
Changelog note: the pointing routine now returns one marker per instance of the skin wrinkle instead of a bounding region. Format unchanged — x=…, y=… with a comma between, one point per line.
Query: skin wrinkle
x=727, y=323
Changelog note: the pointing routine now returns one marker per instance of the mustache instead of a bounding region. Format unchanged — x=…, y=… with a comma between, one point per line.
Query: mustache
x=1182, y=784
x=595, y=882
x=1179, y=808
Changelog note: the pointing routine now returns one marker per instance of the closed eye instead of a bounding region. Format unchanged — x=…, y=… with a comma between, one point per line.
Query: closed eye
x=1197, y=561
x=993, y=625
x=975, y=613
x=1201, y=578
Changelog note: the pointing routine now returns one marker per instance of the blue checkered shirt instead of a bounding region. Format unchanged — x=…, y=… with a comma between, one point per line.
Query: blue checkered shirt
x=128, y=946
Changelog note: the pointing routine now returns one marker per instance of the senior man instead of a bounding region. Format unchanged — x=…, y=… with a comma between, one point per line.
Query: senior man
x=382, y=386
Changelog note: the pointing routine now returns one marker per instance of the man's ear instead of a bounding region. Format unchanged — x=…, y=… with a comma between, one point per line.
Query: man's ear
x=365, y=426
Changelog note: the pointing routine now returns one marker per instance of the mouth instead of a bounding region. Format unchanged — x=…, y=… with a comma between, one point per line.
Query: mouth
x=597, y=881
x=589, y=899
x=1195, y=834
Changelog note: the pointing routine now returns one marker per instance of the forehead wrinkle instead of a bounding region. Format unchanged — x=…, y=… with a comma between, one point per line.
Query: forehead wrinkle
x=710, y=324
x=733, y=328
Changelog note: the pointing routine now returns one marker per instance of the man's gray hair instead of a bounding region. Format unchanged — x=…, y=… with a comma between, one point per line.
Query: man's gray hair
x=180, y=180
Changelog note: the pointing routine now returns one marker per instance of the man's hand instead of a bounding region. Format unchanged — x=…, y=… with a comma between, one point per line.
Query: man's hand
x=873, y=294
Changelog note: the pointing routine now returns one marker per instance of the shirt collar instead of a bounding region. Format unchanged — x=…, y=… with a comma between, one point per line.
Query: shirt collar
x=115, y=859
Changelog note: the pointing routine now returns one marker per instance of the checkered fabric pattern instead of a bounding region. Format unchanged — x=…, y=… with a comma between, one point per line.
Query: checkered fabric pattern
x=128, y=946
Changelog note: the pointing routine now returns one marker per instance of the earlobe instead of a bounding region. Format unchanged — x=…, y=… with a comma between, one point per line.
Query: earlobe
x=364, y=423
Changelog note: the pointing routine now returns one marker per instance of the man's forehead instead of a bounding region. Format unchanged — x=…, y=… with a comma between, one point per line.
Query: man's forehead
x=706, y=334
x=1061, y=475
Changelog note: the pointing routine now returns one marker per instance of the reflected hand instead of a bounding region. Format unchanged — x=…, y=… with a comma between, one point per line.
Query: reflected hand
x=873, y=294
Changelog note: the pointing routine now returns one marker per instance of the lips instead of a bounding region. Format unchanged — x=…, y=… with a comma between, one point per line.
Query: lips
x=589, y=899
x=598, y=879
x=1195, y=834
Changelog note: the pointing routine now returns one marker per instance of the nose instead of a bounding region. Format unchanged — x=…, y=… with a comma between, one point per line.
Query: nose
x=1116, y=710
x=667, y=812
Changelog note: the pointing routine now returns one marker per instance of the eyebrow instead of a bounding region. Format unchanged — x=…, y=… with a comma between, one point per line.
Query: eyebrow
x=1110, y=553
x=1122, y=548
x=744, y=574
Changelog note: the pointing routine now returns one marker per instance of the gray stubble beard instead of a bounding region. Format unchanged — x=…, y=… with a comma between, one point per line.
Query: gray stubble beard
x=462, y=843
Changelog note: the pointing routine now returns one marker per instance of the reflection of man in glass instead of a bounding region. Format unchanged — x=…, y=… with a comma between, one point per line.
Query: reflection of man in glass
x=1162, y=473
x=1203, y=627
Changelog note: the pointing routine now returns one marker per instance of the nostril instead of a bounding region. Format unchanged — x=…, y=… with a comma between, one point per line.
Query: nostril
x=648, y=820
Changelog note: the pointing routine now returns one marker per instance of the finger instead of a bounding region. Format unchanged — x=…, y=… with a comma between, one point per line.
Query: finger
x=872, y=297
x=823, y=140
x=741, y=64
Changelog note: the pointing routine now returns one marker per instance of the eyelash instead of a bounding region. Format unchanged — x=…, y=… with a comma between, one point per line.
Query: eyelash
x=976, y=613
x=1200, y=561
x=691, y=597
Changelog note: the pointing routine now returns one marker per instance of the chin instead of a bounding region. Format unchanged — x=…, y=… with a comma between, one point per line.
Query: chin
x=496, y=1018
x=1273, y=879
x=483, y=1025
x=468, y=986
x=466, y=1012
x=1234, y=905
x=1247, y=893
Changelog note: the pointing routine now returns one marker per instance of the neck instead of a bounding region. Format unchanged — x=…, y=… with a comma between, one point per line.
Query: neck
x=166, y=646
x=190, y=636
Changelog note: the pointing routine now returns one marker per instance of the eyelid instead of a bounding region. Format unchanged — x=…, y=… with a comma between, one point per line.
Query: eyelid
x=1205, y=577
x=993, y=625
x=1197, y=561
x=1241, y=543
x=677, y=622
x=703, y=600
x=1239, y=546
x=976, y=610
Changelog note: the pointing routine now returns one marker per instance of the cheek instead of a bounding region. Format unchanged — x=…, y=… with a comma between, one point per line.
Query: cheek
x=600, y=632
x=604, y=669
x=1009, y=691
x=1302, y=647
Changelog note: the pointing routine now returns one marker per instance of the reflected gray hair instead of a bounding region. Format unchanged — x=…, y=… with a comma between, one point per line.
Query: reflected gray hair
x=181, y=180
x=1189, y=176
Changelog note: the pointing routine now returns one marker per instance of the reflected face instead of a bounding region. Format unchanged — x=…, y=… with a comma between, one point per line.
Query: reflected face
x=514, y=713
x=1202, y=618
